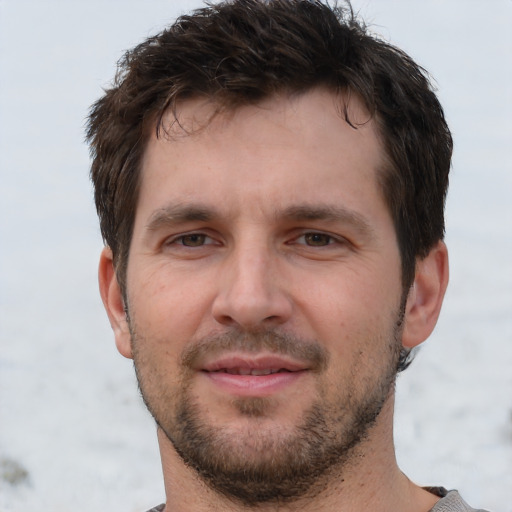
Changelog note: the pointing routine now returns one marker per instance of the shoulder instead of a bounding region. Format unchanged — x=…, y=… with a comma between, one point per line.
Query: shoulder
x=451, y=501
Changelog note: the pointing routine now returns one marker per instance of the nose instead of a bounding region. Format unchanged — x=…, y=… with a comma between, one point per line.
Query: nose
x=250, y=294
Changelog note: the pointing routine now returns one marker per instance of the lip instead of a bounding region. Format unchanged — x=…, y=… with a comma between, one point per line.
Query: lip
x=231, y=374
x=256, y=362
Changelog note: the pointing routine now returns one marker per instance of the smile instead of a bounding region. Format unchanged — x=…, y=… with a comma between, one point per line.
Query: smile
x=252, y=371
x=253, y=364
x=253, y=375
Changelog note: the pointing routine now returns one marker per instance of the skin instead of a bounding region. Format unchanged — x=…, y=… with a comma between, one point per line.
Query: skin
x=270, y=219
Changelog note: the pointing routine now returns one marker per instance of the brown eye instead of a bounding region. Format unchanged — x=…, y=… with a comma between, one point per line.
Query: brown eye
x=317, y=239
x=193, y=240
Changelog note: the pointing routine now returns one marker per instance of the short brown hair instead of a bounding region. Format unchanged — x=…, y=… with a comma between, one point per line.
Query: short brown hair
x=241, y=51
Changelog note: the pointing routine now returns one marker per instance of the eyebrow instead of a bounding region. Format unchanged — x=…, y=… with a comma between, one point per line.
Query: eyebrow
x=329, y=214
x=178, y=213
x=181, y=213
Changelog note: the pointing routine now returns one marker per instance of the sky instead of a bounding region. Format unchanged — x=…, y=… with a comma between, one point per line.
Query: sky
x=73, y=431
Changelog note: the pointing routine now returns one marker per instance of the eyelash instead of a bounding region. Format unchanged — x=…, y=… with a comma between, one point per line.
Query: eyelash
x=180, y=240
x=329, y=239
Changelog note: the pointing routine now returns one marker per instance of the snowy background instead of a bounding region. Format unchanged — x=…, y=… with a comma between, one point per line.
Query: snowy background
x=73, y=432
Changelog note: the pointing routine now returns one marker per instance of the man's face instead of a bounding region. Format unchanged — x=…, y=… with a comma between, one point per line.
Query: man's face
x=264, y=290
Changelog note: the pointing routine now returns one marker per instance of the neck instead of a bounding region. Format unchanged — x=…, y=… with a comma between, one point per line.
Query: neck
x=371, y=480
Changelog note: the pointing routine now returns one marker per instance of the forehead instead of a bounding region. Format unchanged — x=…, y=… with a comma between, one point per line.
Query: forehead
x=284, y=149
x=290, y=111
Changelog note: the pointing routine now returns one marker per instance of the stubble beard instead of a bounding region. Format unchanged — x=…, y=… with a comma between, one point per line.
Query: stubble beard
x=261, y=464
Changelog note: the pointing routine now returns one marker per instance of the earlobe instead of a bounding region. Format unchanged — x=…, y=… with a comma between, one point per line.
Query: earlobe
x=113, y=301
x=426, y=296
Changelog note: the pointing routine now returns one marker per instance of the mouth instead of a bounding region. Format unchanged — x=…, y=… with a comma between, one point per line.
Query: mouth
x=249, y=375
x=250, y=364
x=252, y=371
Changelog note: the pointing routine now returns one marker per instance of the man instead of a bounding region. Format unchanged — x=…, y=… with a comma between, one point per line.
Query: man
x=270, y=182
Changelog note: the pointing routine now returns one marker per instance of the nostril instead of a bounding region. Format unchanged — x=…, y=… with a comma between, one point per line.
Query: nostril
x=225, y=320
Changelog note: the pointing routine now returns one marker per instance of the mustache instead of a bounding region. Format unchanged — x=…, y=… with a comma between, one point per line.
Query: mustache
x=308, y=351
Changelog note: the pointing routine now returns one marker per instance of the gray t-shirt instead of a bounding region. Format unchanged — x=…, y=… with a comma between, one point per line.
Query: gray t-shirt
x=450, y=502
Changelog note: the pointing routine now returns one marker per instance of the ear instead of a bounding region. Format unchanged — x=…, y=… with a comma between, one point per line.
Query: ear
x=114, y=303
x=426, y=296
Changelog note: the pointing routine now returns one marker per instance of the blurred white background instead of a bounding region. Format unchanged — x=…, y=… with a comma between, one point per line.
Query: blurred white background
x=73, y=432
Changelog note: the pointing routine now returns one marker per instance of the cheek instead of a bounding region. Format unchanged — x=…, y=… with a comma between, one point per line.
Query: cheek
x=350, y=313
x=167, y=307
x=343, y=300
